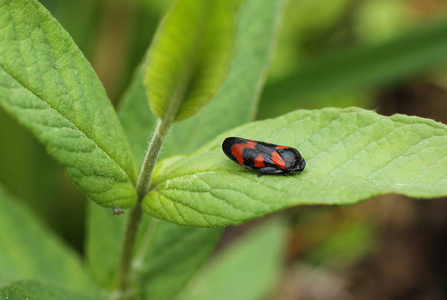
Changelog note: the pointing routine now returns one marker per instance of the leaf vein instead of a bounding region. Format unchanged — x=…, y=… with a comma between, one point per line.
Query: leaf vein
x=195, y=208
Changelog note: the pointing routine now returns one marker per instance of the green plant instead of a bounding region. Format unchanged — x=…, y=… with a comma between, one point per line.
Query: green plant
x=203, y=75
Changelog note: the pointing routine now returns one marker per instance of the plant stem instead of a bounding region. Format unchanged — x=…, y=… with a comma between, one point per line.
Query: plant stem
x=144, y=180
x=133, y=221
x=125, y=276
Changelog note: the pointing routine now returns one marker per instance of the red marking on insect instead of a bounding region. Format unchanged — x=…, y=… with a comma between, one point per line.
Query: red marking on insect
x=282, y=147
x=277, y=160
x=237, y=150
x=259, y=161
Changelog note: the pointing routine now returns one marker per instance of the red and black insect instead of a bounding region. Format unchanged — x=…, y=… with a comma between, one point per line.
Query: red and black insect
x=263, y=157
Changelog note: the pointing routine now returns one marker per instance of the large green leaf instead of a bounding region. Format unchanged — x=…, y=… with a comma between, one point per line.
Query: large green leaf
x=29, y=250
x=358, y=67
x=41, y=291
x=246, y=270
x=189, y=56
x=47, y=84
x=352, y=154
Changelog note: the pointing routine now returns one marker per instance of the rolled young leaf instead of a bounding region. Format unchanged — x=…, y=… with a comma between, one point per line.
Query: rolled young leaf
x=352, y=154
x=237, y=100
x=189, y=57
x=48, y=85
x=257, y=25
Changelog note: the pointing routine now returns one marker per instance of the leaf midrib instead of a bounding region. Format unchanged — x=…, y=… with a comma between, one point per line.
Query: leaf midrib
x=69, y=121
x=364, y=180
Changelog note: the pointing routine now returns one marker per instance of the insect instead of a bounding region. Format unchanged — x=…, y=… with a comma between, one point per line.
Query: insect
x=263, y=157
x=117, y=210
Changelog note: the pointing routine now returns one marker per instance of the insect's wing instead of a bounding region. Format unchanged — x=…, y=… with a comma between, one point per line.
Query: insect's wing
x=278, y=161
x=260, y=161
x=267, y=159
x=229, y=142
x=234, y=147
x=262, y=157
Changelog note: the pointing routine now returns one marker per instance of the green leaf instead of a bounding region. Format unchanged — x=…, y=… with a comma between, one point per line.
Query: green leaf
x=47, y=84
x=39, y=291
x=188, y=59
x=359, y=67
x=29, y=250
x=173, y=255
x=248, y=269
x=352, y=154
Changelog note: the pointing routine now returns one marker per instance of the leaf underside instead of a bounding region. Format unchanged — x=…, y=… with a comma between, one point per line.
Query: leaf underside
x=48, y=85
x=352, y=154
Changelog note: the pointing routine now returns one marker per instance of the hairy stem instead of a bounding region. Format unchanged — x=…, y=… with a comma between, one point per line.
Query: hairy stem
x=133, y=221
x=125, y=275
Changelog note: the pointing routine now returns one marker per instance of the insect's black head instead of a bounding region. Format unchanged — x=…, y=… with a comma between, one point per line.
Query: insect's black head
x=293, y=159
x=301, y=163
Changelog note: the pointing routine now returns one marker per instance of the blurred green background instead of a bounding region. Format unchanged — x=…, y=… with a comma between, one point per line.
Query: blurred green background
x=386, y=55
